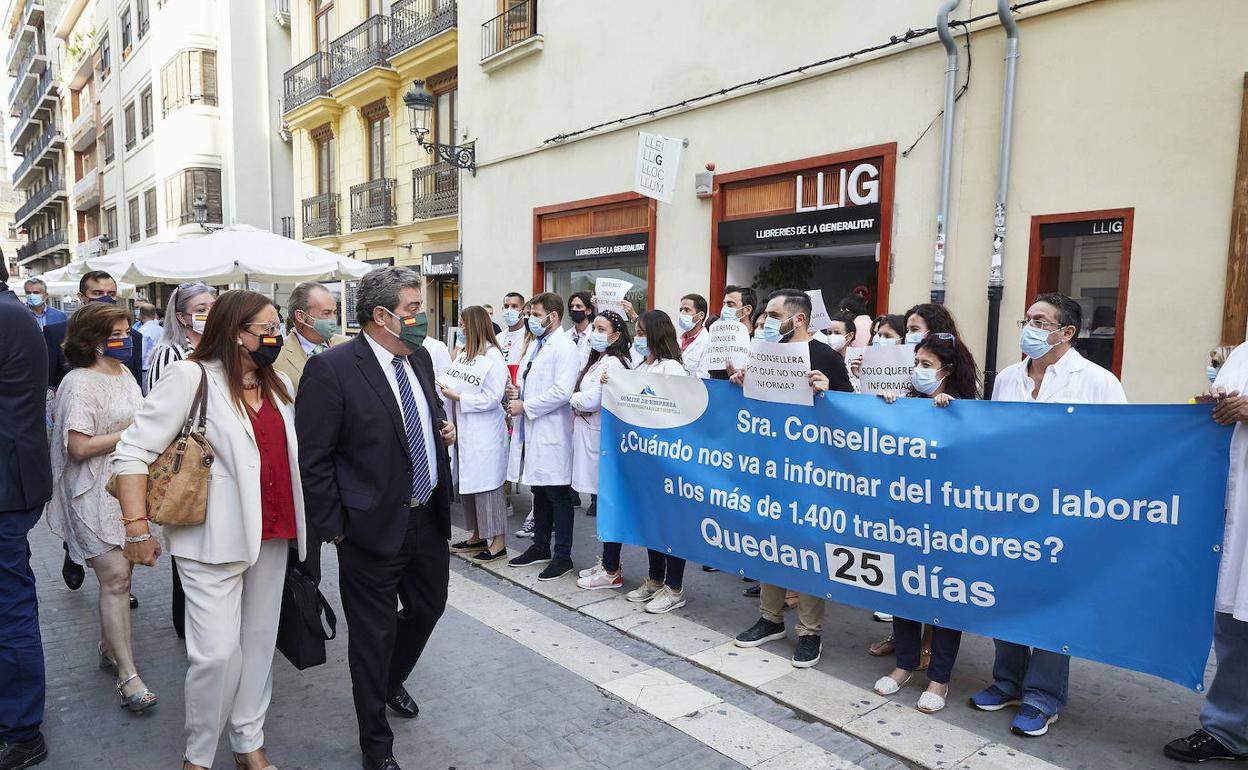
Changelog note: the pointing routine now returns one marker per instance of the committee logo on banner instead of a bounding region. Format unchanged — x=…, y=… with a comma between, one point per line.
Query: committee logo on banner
x=656, y=401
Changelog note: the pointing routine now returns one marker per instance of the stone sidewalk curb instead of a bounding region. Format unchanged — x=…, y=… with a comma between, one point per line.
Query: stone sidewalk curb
x=887, y=725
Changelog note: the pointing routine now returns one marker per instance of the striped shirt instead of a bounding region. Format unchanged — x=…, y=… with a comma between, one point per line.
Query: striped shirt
x=162, y=356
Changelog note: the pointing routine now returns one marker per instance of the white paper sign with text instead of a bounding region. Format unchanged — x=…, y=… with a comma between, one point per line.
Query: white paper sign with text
x=465, y=377
x=886, y=369
x=778, y=373
x=730, y=343
x=658, y=159
x=819, y=318
x=609, y=293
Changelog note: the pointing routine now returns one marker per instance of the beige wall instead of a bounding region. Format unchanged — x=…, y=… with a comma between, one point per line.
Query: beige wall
x=1121, y=103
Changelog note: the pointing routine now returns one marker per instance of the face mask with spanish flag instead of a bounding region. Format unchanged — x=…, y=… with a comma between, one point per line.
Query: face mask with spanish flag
x=267, y=353
x=412, y=329
x=120, y=349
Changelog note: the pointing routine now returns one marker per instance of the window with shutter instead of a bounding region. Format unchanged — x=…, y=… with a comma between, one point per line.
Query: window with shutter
x=145, y=102
x=135, y=231
x=183, y=188
x=129, y=128
x=110, y=226
x=126, y=40
x=106, y=139
x=209, y=77
x=149, y=205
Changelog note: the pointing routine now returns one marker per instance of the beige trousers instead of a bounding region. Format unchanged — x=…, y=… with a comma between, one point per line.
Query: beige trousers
x=809, y=609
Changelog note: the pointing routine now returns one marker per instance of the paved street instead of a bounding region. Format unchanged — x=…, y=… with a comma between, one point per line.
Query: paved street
x=513, y=679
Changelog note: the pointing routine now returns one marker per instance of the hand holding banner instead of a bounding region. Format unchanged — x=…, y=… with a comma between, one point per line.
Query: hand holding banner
x=886, y=369
x=609, y=294
x=778, y=372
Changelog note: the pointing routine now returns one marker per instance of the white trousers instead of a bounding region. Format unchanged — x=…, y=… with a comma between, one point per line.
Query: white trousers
x=231, y=631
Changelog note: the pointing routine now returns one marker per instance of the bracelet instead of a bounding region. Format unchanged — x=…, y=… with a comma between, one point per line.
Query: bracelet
x=139, y=538
x=125, y=520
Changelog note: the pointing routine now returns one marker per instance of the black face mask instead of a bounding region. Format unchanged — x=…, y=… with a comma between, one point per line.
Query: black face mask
x=270, y=348
x=578, y=315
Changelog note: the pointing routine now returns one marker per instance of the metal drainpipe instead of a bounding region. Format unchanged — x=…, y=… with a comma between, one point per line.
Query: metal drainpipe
x=996, y=276
x=951, y=85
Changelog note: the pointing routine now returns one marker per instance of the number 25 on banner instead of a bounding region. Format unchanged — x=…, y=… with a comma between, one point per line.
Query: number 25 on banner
x=862, y=569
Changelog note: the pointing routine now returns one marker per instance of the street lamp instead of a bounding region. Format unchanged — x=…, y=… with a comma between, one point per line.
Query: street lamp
x=420, y=103
x=200, y=206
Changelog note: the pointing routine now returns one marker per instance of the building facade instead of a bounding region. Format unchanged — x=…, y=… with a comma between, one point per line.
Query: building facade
x=363, y=183
x=1121, y=191
x=37, y=135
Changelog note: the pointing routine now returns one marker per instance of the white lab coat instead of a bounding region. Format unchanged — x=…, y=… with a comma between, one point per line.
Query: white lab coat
x=694, y=357
x=1233, y=574
x=1072, y=380
x=541, y=439
x=587, y=430
x=439, y=353
x=667, y=366
x=581, y=339
x=481, y=447
x=511, y=342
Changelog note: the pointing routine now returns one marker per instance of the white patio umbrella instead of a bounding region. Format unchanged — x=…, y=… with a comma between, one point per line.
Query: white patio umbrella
x=240, y=253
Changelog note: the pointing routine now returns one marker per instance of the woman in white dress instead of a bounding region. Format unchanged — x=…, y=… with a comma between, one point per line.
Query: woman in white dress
x=473, y=388
x=95, y=403
x=609, y=343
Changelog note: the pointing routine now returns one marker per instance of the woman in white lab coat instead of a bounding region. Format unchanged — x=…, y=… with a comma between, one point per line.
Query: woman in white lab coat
x=610, y=345
x=663, y=591
x=473, y=386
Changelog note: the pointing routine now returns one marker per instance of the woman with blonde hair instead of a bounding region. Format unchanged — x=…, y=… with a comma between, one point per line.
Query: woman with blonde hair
x=233, y=565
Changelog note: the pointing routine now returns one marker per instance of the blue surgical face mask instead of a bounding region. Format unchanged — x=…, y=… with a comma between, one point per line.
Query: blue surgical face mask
x=537, y=326
x=684, y=321
x=460, y=340
x=883, y=342
x=771, y=330
x=1212, y=371
x=914, y=338
x=34, y=300
x=105, y=299
x=121, y=349
x=598, y=341
x=925, y=381
x=1034, y=342
x=641, y=346
x=510, y=316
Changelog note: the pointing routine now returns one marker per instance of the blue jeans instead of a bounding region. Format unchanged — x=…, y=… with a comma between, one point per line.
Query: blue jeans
x=552, y=510
x=21, y=649
x=1039, y=677
x=1225, y=713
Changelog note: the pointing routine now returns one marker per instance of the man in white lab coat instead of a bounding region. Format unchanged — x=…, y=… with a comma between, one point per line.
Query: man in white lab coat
x=1223, y=732
x=1036, y=680
x=694, y=338
x=511, y=340
x=541, y=442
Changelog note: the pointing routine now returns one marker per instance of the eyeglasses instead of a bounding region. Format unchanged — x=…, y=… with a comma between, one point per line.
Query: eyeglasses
x=273, y=330
x=1038, y=323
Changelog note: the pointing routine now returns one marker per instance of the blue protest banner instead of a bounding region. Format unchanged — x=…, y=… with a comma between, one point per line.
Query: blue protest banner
x=1088, y=530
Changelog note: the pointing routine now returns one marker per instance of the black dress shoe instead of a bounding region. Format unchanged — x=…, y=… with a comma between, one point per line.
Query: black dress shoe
x=380, y=763
x=73, y=573
x=15, y=756
x=134, y=603
x=1200, y=746
x=401, y=703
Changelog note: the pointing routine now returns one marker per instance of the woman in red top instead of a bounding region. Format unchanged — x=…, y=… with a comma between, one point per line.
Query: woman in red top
x=233, y=565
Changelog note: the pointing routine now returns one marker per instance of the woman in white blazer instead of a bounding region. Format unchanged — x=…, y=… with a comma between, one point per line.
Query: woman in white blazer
x=610, y=346
x=233, y=565
x=473, y=388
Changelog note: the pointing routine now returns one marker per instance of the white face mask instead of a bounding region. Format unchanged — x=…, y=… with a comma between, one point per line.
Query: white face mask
x=837, y=341
x=198, y=322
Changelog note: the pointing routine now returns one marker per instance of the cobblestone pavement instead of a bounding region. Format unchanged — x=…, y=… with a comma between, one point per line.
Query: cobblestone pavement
x=487, y=701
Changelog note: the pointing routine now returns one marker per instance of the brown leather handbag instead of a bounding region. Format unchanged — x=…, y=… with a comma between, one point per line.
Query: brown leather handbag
x=177, y=480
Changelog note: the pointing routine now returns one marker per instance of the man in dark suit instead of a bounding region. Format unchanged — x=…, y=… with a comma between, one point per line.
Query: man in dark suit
x=95, y=286
x=377, y=482
x=25, y=485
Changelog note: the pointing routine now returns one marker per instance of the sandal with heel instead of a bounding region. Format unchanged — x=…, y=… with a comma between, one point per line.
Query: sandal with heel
x=106, y=662
x=241, y=764
x=139, y=702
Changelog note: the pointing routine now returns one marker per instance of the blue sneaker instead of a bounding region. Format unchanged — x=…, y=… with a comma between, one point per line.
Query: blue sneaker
x=993, y=699
x=1031, y=721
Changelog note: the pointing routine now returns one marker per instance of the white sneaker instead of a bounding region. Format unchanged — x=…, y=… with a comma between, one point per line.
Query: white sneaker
x=591, y=571
x=644, y=592
x=527, y=529
x=665, y=600
x=601, y=579
x=882, y=617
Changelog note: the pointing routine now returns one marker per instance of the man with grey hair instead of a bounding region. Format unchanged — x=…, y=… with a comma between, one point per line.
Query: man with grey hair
x=376, y=482
x=37, y=300
x=313, y=324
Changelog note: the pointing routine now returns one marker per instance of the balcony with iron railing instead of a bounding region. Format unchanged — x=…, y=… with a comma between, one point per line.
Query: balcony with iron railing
x=42, y=89
x=32, y=11
x=435, y=191
x=414, y=21
x=40, y=245
x=281, y=14
x=51, y=187
x=511, y=27
x=35, y=152
x=33, y=64
x=23, y=37
x=91, y=247
x=320, y=216
x=305, y=81
x=364, y=47
x=373, y=204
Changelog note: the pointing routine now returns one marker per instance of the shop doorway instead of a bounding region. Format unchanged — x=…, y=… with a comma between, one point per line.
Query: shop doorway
x=838, y=270
x=1086, y=256
x=446, y=294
